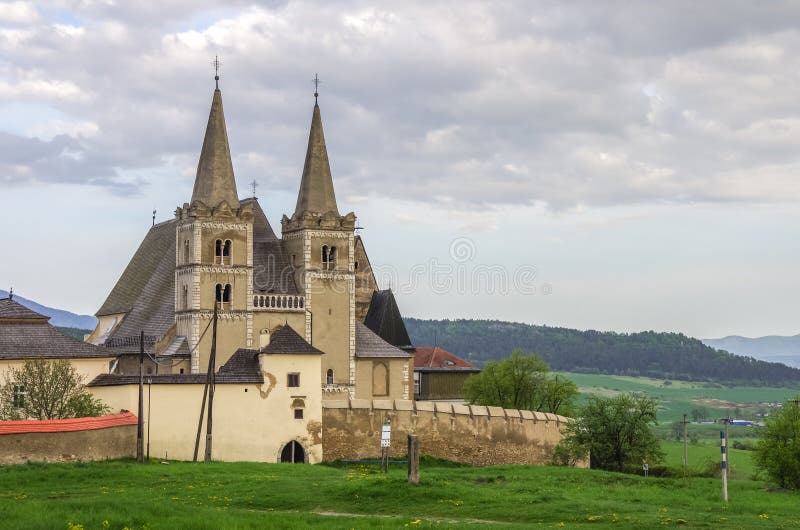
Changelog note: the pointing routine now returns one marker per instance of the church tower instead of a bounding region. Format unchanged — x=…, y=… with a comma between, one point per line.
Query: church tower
x=214, y=253
x=320, y=243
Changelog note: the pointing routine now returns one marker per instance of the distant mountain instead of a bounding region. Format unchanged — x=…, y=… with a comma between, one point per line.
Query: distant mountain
x=652, y=354
x=58, y=317
x=773, y=348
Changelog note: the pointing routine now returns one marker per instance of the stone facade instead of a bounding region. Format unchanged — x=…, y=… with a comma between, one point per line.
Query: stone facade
x=480, y=436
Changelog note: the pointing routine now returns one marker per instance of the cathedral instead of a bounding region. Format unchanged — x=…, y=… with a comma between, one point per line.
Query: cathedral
x=220, y=250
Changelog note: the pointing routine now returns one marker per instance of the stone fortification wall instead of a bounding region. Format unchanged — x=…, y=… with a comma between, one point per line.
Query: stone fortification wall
x=474, y=435
x=79, y=439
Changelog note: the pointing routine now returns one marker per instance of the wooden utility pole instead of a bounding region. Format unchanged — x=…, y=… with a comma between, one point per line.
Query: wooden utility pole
x=211, y=367
x=685, y=446
x=413, y=459
x=140, y=425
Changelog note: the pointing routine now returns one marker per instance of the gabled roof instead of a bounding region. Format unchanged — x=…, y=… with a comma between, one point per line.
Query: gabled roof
x=368, y=344
x=287, y=341
x=25, y=334
x=226, y=378
x=243, y=361
x=384, y=318
x=316, y=186
x=157, y=247
x=10, y=309
x=433, y=357
x=215, y=182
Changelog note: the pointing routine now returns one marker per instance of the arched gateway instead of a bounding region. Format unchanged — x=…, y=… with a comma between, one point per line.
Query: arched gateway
x=293, y=453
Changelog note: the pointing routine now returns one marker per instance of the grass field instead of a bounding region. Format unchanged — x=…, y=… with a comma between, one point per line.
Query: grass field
x=705, y=456
x=119, y=494
x=680, y=397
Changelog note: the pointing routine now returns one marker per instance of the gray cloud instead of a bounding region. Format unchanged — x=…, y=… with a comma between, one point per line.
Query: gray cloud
x=473, y=104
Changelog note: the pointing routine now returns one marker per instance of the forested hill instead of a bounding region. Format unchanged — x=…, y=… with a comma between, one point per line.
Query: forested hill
x=660, y=355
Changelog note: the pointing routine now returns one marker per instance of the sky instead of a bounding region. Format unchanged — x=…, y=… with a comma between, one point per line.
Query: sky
x=619, y=166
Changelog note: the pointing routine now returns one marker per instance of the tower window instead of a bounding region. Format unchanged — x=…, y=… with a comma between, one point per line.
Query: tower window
x=293, y=379
x=329, y=376
x=223, y=295
x=186, y=257
x=325, y=256
x=185, y=297
x=332, y=258
x=218, y=251
x=226, y=252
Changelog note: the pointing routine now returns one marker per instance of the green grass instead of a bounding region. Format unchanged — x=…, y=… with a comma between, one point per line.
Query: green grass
x=241, y=495
x=680, y=397
x=703, y=457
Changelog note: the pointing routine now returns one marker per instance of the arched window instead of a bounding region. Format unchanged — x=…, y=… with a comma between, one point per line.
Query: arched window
x=325, y=257
x=329, y=376
x=186, y=257
x=226, y=252
x=185, y=297
x=218, y=251
x=223, y=295
x=332, y=258
x=380, y=380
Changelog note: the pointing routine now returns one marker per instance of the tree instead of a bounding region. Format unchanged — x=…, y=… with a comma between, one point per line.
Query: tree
x=778, y=450
x=615, y=431
x=521, y=382
x=47, y=390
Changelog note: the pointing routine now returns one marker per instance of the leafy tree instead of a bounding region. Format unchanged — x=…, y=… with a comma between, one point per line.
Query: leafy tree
x=699, y=414
x=615, y=431
x=521, y=382
x=47, y=390
x=778, y=450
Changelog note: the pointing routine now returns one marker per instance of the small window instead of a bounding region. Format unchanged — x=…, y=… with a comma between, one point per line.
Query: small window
x=325, y=256
x=186, y=257
x=329, y=376
x=20, y=394
x=218, y=251
x=185, y=297
x=298, y=414
x=226, y=252
x=294, y=260
x=355, y=266
x=293, y=379
x=149, y=370
x=180, y=371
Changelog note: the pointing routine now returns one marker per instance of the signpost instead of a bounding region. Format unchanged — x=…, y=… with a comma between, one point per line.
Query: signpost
x=386, y=441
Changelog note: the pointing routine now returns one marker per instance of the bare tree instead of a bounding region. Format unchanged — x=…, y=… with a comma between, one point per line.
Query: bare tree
x=46, y=390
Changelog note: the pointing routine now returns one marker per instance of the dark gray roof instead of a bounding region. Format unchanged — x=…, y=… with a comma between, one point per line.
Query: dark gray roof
x=368, y=344
x=287, y=340
x=272, y=270
x=243, y=361
x=262, y=230
x=384, y=318
x=11, y=309
x=36, y=339
x=158, y=245
x=176, y=379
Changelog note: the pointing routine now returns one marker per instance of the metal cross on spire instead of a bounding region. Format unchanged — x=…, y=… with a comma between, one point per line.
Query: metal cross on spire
x=216, y=64
x=254, y=184
x=316, y=82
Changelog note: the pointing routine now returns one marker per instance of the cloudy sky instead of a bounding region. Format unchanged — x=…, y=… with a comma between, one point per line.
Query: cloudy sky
x=616, y=166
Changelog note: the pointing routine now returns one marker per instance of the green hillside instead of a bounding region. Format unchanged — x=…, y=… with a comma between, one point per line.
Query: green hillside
x=671, y=356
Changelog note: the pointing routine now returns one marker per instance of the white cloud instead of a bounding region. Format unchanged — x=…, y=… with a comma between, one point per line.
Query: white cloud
x=18, y=12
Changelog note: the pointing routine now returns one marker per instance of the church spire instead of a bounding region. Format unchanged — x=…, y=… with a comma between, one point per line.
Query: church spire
x=316, y=187
x=215, y=181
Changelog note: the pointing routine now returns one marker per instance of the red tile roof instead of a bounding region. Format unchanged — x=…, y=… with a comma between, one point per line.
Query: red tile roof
x=70, y=425
x=435, y=357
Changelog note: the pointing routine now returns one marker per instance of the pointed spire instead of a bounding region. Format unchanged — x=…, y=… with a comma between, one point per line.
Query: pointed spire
x=215, y=181
x=316, y=187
